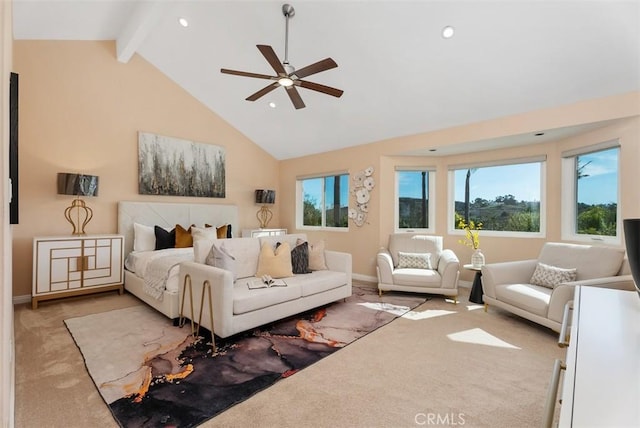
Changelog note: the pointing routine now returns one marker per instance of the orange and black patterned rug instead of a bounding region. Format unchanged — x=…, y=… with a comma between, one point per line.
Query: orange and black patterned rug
x=152, y=374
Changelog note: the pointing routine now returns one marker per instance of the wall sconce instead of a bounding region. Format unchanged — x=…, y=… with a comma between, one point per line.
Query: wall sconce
x=265, y=197
x=78, y=185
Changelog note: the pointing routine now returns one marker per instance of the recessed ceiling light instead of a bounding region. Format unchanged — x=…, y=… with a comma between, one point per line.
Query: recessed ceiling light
x=272, y=104
x=183, y=22
x=447, y=32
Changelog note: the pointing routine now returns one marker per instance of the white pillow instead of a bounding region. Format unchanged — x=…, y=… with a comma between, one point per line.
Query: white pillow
x=144, y=238
x=206, y=233
x=220, y=257
x=550, y=276
x=414, y=260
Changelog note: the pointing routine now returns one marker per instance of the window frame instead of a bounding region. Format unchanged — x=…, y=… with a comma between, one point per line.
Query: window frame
x=300, y=202
x=431, y=189
x=569, y=186
x=542, y=160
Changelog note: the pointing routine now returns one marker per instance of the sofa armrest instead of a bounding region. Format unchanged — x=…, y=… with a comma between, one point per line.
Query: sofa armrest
x=221, y=291
x=516, y=272
x=449, y=269
x=385, y=266
x=339, y=262
x=564, y=292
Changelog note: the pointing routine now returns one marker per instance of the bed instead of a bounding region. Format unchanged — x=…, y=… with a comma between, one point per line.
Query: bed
x=133, y=215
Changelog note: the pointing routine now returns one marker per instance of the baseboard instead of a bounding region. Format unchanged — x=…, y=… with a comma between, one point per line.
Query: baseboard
x=365, y=278
x=18, y=300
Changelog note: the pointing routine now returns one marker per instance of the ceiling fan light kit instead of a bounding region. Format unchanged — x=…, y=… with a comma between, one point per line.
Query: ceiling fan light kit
x=286, y=75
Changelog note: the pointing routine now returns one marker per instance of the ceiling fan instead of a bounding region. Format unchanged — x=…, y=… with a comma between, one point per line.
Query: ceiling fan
x=286, y=75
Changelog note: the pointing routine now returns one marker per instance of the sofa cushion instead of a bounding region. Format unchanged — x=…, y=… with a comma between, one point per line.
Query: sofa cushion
x=417, y=278
x=246, y=300
x=318, y=281
x=531, y=298
x=245, y=251
x=414, y=260
x=275, y=262
x=590, y=261
x=550, y=276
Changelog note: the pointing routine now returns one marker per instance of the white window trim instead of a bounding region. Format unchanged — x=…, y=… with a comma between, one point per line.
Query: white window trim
x=568, y=205
x=432, y=205
x=451, y=229
x=300, y=204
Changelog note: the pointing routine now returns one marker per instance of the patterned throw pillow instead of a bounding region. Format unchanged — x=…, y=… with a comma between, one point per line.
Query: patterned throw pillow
x=550, y=276
x=299, y=257
x=414, y=260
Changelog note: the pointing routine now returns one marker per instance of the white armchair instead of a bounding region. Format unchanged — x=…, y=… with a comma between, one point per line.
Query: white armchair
x=507, y=285
x=417, y=263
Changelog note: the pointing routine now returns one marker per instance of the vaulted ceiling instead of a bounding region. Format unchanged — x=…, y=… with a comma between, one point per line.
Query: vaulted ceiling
x=400, y=76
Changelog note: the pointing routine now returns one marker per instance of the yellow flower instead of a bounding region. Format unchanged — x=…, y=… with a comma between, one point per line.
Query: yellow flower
x=472, y=234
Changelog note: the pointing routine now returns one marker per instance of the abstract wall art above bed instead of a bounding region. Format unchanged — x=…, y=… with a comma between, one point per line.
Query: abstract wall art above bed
x=175, y=167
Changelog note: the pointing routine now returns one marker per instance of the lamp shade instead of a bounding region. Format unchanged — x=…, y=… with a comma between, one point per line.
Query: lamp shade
x=265, y=196
x=77, y=184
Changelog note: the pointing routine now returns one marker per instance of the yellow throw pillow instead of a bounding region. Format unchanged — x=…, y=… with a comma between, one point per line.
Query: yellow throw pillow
x=222, y=231
x=183, y=237
x=276, y=263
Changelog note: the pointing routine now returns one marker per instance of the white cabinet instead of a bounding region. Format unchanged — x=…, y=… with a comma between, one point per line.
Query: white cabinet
x=255, y=233
x=76, y=265
x=601, y=385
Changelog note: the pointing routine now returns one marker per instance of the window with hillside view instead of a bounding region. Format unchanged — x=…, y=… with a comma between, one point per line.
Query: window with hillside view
x=413, y=210
x=594, y=176
x=504, y=198
x=324, y=201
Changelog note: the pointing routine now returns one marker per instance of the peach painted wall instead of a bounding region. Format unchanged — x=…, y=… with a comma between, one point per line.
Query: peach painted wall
x=80, y=111
x=363, y=242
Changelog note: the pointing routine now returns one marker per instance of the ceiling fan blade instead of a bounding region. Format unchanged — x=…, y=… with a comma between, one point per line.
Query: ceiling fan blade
x=319, y=88
x=295, y=97
x=325, y=64
x=262, y=92
x=247, y=74
x=271, y=57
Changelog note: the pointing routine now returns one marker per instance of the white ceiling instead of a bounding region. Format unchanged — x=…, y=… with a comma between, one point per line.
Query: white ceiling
x=399, y=75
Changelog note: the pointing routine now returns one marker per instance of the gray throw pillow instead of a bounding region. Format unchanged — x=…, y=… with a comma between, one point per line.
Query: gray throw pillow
x=220, y=257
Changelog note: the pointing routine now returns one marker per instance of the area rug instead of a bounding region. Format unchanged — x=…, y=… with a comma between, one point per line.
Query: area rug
x=152, y=374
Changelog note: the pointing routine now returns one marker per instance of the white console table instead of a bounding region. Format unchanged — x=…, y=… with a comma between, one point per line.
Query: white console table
x=601, y=386
x=255, y=233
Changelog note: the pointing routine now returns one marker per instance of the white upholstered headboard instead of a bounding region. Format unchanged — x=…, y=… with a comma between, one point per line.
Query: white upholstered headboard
x=170, y=214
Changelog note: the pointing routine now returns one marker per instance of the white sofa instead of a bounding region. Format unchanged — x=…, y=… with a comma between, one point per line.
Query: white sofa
x=507, y=285
x=237, y=308
x=442, y=278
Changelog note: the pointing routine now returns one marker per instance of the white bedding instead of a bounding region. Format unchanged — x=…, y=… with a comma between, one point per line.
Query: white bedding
x=139, y=263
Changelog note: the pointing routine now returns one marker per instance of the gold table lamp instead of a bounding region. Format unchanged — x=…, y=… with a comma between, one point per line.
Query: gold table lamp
x=78, y=213
x=264, y=214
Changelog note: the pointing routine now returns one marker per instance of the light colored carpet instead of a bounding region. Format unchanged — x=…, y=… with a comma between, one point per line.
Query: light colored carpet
x=452, y=364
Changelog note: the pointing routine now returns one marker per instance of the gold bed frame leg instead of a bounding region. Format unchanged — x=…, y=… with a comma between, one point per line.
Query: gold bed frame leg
x=486, y=305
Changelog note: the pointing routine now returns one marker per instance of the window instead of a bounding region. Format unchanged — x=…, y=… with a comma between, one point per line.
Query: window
x=323, y=201
x=590, y=193
x=503, y=197
x=414, y=188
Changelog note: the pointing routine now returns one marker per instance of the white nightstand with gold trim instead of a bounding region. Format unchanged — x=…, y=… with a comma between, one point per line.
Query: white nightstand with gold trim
x=66, y=266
